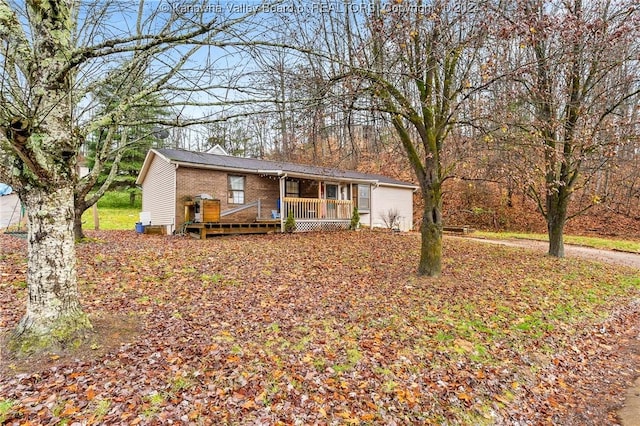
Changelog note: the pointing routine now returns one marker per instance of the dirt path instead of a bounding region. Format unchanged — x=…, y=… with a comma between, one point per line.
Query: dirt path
x=629, y=414
x=615, y=257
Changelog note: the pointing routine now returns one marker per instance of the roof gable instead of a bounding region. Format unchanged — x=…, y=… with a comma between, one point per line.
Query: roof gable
x=151, y=154
x=217, y=149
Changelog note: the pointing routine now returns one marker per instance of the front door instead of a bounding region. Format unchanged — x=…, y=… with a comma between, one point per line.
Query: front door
x=331, y=193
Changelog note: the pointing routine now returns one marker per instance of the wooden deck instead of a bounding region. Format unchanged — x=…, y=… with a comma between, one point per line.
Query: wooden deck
x=203, y=230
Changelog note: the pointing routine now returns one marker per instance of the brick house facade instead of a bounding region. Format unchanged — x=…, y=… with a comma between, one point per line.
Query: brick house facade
x=191, y=182
x=172, y=179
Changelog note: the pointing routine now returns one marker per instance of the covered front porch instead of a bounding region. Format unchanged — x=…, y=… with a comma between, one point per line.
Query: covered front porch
x=315, y=214
x=270, y=197
x=319, y=205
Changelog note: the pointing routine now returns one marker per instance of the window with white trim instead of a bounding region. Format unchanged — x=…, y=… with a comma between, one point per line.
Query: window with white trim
x=236, y=189
x=364, y=197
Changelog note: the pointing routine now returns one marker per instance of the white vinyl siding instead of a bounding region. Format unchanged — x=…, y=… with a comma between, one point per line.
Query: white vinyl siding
x=159, y=192
x=385, y=198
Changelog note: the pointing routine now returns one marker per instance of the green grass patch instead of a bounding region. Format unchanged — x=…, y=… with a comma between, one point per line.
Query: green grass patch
x=6, y=405
x=153, y=403
x=120, y=200
x=98, y=410
x=595, y=242
x=111, y=219
x=115, y=212
x=180, y=383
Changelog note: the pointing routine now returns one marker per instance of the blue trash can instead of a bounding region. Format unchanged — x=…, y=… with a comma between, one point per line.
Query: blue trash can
x=139, y=228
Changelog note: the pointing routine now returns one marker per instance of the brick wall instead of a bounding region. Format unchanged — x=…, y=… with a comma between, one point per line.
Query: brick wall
x=191, y=182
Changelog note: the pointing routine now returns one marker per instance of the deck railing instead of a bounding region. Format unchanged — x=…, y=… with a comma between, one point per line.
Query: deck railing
x=256, y=203
x=317, y=208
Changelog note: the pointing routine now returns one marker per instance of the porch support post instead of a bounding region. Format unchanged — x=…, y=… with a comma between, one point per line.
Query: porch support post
x=282, y=179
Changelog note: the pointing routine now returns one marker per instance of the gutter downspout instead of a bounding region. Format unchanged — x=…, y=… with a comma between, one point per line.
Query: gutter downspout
x=374, y=186
x=175, y=200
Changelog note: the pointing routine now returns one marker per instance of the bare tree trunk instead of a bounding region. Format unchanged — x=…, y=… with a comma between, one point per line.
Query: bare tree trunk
x=556, y=217
x=431, y=232
x=54, y=315
x=555, y=227
x=509, y=193
x=77, y=221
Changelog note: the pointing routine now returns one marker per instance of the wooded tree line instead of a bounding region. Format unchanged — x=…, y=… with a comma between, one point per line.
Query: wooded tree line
x=540, y=95
x=315, y=118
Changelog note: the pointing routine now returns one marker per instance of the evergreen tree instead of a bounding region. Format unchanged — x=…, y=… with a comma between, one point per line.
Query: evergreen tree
x=115, y=155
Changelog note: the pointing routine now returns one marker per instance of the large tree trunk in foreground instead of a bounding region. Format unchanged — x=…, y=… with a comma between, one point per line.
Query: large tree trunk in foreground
x=49, y=51
x=54, y=315
x=431, y=232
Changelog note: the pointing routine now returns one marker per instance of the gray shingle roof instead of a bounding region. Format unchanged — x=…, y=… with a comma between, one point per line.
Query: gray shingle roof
x=256, y=165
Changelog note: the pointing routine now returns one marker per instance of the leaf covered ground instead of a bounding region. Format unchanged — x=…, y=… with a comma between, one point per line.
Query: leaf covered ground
x=327, y=329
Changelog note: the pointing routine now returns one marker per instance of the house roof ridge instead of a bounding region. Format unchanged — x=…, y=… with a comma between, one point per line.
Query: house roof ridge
x=195, y=157
x=278, y=162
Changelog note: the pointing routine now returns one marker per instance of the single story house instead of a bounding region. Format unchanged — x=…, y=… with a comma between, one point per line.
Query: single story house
x=175, y=183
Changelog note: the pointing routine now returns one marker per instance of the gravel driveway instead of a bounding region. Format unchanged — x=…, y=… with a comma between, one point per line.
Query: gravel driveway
x=615, y=257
